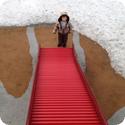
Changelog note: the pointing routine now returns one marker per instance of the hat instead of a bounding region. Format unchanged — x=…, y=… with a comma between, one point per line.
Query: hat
x=64, y=13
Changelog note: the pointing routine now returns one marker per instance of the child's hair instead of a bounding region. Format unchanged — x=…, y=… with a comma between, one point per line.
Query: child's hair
x=60, y=18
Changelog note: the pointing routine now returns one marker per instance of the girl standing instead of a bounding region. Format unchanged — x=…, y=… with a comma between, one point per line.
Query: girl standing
x=63, y=27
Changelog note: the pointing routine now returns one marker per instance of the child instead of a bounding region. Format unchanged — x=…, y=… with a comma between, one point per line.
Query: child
x=63, y=27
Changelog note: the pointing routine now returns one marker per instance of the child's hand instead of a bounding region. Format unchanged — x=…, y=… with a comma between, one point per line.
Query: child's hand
x=54, y=32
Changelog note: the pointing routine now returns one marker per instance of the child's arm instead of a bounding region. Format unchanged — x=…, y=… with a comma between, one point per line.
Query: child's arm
x=55, y=28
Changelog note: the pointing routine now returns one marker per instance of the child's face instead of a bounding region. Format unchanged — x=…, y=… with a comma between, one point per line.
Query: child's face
x=64, y=18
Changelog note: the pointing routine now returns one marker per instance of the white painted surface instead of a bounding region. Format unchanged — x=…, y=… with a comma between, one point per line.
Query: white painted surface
x=118, y=117
x=123, y=122
x=1, y=122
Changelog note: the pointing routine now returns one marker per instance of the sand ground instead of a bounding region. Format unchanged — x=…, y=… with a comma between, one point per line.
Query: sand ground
x=15, y=60
x=16, y=67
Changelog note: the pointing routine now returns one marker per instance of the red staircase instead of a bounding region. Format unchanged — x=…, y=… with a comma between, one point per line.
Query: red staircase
x=61, y=95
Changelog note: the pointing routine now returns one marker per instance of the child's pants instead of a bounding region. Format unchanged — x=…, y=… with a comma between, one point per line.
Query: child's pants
x=62, y=39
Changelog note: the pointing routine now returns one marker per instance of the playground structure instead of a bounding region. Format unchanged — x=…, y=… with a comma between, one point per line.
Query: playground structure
x=61, y=94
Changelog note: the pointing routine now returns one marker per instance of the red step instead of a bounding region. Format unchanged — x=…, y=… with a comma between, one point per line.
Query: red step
x=61, y=95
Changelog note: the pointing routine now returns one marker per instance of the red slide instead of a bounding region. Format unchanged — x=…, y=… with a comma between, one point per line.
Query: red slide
x=61, y=95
